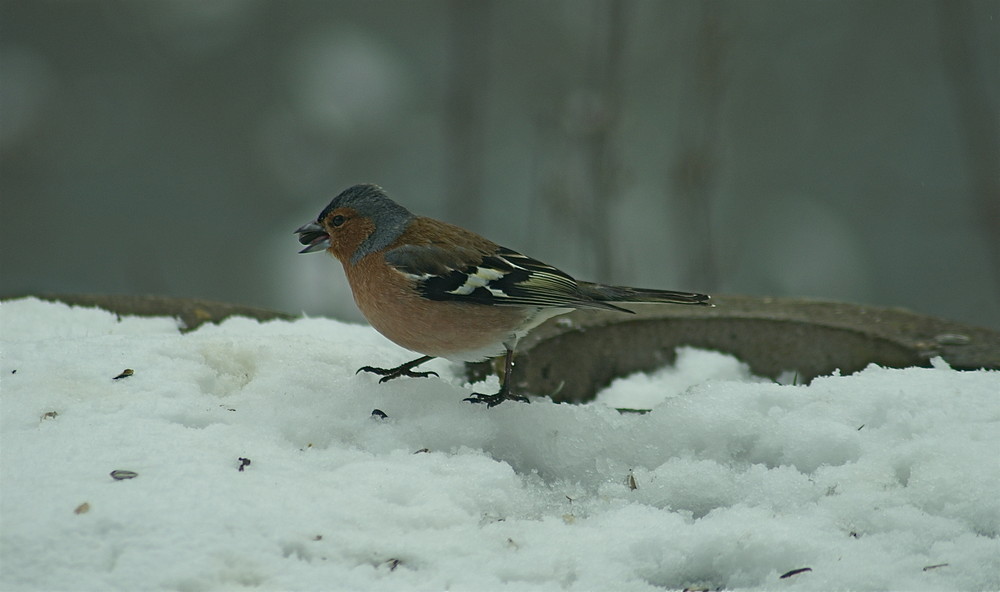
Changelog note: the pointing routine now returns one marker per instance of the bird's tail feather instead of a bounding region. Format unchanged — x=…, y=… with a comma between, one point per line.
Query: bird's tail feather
x=605, y=293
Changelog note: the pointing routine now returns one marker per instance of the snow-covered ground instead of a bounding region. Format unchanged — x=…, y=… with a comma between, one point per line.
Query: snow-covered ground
x=883, y=480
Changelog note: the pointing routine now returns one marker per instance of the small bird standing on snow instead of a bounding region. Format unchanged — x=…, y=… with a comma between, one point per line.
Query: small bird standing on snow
x=443, y=291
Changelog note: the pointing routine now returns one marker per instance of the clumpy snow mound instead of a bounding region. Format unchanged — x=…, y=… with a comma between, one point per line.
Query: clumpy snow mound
x=882, y=480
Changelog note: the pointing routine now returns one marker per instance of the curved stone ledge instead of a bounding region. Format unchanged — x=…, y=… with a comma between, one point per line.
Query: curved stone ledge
x=192, y=312
x=572, y=357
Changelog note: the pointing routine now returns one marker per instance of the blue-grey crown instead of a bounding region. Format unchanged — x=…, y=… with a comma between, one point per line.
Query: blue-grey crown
x=371, y=201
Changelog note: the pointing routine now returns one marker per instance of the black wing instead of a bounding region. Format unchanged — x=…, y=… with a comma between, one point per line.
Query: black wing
x=501, y=278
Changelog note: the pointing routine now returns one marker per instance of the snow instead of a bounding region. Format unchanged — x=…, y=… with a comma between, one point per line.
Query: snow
x=885, y=479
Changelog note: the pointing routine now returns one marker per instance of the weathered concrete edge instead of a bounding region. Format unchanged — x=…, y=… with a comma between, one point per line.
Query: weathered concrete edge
x=570, y=358
x=192, y=312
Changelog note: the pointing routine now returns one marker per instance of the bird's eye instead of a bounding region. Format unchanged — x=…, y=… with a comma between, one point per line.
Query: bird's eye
x=337, y=220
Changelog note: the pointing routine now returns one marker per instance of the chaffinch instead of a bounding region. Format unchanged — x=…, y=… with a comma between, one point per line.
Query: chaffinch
x=443, y=291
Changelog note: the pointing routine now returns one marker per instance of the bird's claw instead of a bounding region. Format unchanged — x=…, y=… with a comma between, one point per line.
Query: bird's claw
x=390, y=373
x=494, y=400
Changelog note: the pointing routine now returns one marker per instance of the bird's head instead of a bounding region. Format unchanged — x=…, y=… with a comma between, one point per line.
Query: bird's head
x=359, y=221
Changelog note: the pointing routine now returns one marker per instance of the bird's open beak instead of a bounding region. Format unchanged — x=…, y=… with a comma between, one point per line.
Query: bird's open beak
x=314, y=237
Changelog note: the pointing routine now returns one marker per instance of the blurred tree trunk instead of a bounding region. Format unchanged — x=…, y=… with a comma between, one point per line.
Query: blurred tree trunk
x=695, y=173
x=607, y=78
x=578, y=155
x=466, y=107
x=977, y=118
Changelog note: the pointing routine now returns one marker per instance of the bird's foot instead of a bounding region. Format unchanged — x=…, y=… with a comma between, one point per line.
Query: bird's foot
x=494, y=400
x=404, y=370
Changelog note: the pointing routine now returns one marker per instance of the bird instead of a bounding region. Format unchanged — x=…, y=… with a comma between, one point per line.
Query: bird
x=442, y=291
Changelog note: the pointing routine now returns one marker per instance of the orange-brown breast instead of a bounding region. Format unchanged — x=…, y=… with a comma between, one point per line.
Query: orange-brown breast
x=455, y=330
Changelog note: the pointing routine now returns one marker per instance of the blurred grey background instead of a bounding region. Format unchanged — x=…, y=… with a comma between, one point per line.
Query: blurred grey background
x=838, y=150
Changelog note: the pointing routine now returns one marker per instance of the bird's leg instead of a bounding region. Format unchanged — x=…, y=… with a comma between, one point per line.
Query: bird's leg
x=504, y=394
x=404, y=370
